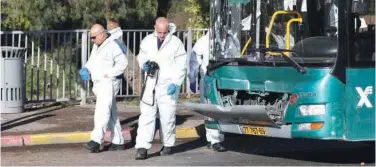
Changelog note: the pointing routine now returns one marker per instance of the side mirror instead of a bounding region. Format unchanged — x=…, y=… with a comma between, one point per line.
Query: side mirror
x=359, y=7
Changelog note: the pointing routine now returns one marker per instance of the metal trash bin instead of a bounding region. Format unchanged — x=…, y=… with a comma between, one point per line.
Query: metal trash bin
x=12, y=91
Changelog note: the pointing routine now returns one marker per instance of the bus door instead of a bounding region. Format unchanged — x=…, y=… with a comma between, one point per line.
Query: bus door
x=360, y=79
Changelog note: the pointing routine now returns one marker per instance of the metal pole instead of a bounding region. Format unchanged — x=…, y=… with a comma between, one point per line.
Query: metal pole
x=83, y=61
x=258, y=10
x=189, y=53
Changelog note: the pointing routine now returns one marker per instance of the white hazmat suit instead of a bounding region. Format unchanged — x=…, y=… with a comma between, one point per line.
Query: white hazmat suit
x=116, y=33
x=106, y=63
x=200, y=60
x=172, y=61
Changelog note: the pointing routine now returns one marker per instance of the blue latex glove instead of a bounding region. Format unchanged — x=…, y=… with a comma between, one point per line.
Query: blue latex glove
x=171, y=89
x=146, y=67
x=85, y=77
x=192, y=86
x=84, y=73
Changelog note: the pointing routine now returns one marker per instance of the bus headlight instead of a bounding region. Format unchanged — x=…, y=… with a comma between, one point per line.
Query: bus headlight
x=306, y=110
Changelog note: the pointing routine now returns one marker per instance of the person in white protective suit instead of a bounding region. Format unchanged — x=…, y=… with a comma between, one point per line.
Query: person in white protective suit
x=333, y=18
x=161, y=88
x=198, y=62
x=106, y=63
x=114, y=29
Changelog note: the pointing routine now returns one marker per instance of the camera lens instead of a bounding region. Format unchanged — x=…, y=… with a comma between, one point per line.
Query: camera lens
x=153, y=68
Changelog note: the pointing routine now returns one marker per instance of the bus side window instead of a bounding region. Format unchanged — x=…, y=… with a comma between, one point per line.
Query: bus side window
x=365, y=46
x=365, y=36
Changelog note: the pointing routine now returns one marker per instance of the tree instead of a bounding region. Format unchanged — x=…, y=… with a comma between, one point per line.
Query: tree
x=199, y=11
x=28, y=15
x=163, y=7
x=142, y=14
x=75, y=14
x=83, y=13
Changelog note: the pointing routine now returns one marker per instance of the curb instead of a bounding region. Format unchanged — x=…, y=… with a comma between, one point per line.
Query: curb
x=82, y=137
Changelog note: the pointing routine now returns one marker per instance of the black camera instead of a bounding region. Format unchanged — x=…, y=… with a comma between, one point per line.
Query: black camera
x=153, y=68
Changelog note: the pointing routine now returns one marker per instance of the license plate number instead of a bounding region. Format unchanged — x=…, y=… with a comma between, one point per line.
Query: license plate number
x=252, y=130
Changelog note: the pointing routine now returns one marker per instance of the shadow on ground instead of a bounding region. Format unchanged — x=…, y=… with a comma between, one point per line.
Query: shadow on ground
x=336, y=152
x=28, y=119
x=180, y=119
x=303, y=149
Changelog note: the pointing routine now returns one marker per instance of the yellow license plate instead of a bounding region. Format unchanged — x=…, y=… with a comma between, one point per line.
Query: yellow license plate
x=252, y=130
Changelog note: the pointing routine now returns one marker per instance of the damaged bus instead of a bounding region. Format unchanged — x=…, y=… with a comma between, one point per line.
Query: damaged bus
x=291, y=69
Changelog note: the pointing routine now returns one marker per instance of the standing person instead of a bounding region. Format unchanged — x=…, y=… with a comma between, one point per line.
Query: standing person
x=115, y=32
x=114, y=29
x=163, y=57
x=199, y=61
x=106, y=63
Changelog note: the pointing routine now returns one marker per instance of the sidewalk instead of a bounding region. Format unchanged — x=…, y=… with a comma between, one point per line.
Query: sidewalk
x=58, y=125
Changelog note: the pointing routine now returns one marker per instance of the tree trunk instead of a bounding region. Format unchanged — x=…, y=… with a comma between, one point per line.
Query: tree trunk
x=163, y=6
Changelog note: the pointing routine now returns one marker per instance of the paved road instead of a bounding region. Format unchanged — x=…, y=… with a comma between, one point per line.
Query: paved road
x=242, y=151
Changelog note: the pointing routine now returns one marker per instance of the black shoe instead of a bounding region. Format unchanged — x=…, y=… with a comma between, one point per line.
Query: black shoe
x=115, y=147
x=141, y=154
x=209, y=146
x=165, y=151
x=218, y=147
x=92, y=146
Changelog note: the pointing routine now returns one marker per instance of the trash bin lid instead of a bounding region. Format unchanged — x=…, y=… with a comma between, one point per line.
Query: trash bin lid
x=11, y=50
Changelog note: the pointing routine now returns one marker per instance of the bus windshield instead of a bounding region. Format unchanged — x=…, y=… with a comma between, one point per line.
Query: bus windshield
x=241, y=28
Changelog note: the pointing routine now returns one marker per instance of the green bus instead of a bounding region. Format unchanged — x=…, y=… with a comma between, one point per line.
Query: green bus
x=291, y=69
